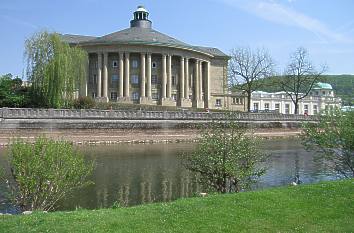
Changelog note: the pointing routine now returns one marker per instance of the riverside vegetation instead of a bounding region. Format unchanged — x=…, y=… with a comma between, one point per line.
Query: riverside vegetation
x=44, y=173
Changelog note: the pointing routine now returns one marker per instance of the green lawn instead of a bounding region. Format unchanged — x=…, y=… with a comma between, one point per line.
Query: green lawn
x=323, y=207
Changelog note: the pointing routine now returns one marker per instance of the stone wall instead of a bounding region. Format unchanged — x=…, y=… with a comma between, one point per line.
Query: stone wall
x=27, y=118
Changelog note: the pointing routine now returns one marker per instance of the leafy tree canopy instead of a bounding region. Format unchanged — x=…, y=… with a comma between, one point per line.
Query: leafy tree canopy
x=12, y=94
x=55, y=69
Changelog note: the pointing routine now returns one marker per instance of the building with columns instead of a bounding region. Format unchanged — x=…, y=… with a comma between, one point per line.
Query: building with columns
x=143, y=66
x=321, y=97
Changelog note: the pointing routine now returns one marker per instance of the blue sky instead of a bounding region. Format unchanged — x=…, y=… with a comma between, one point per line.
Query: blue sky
x=324, y=27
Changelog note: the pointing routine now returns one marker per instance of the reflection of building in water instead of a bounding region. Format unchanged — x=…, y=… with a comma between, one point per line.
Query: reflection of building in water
x=123, y=194
x=102, y=197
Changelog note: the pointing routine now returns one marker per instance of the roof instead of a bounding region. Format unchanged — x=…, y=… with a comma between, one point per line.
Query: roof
x=75, y=39
x=141, y=9
x=137, y=35
x=323, y=86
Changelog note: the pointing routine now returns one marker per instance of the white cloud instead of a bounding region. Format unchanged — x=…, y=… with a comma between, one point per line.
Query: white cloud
x=273, y=11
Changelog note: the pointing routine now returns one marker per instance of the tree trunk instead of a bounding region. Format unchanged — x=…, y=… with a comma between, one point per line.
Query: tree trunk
x=296, y=110
x=249, y=101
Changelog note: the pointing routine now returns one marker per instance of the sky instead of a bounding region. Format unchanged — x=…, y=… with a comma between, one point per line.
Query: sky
x=324, y=27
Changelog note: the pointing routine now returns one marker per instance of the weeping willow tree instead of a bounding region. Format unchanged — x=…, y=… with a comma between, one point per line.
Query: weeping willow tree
x=55, y=69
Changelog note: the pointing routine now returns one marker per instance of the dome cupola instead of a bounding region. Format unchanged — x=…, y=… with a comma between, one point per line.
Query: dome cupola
x=141, y=18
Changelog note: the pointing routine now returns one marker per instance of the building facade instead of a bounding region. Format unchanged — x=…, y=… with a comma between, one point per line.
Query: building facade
x=143, y=66
x=320, y=98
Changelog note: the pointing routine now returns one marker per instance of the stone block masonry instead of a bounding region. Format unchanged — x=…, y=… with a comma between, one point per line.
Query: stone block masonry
x=27, y=118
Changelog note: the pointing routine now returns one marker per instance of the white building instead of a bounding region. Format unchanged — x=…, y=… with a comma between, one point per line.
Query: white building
x=321, y=97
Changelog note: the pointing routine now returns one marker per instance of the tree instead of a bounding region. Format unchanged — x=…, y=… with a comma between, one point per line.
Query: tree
x=333, y=138
x=226, y=159
x=44, y=173
x=300, y=77
x=246, y=67
x=54, y=68
x=12, y=94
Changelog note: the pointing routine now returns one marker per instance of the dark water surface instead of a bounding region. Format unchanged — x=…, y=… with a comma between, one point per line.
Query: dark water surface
x=132, y=174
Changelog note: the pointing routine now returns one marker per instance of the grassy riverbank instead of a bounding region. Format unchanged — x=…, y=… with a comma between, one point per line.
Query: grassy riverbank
x=323, y=207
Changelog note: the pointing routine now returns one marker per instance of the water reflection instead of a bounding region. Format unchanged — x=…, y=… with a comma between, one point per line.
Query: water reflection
x=138, y=174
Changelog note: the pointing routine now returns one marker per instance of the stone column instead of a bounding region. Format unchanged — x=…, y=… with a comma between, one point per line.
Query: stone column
x=99, y=75
x=127, y=75
x=105, y=75
x=169, y=76
x=196, y=80
x=83, y=87
x=163, y=96
x=207, y=84
x=142, y=74
x=148, y=71
x=200, y=94
x=181, y=80
x=186, y=77
x=121, y=73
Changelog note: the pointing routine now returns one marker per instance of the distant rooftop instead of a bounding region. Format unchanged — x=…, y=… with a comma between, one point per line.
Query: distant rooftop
x=320, y=85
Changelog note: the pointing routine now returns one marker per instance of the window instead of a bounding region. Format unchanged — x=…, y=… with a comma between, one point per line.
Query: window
x=277, y=107
x=155, y=96
x=174, y=97
x=94, y=94
x=323, y=92
x=113, y=95
x=237, y=100
x=114, y=64
x=135, y=95
x=95, y=64
x=154, y=80
x=115, y=78
x=315, y=110
x=190, y=97
x=94, y=78
x=135, y=64
x=174, y=81
x=218, y=102
x=153, y=65
x=266, y=107
x=306, y=109
x=316, y=93
x=255, y=107
x=287, y=108
x=135, y=79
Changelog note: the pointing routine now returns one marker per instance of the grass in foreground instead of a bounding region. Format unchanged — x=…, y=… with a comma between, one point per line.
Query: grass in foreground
x=323, y=207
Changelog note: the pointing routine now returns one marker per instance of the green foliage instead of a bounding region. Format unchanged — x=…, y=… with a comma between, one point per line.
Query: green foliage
x=333, y=136
x=12, y=94
x=344, y=87
x=227, y=159
x=45, y=172
x=323, y=207
x=84, y=102
x=55, y=69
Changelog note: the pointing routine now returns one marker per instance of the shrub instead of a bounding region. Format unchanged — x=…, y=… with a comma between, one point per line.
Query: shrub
x=333, y=138
x=45, y=172
x=84, y=102
x=226, y=159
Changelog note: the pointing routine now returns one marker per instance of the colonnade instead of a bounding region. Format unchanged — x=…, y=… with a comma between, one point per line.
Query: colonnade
x=200, y=75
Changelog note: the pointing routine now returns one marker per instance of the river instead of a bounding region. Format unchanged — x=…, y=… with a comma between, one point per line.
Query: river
x=133, y=174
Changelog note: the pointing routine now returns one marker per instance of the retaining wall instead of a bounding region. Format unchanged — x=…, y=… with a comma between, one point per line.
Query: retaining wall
x=27, y=118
